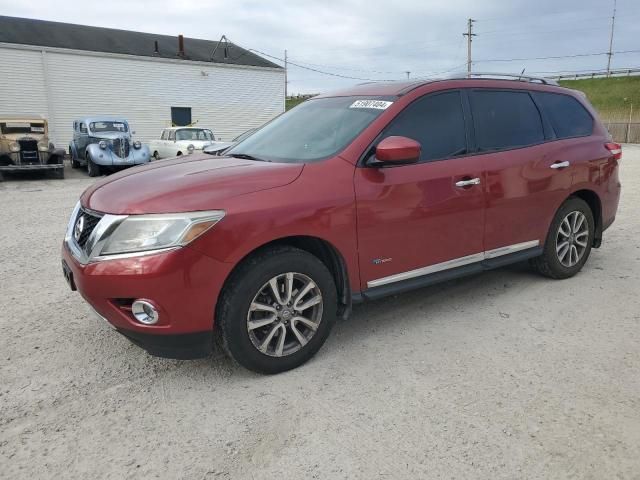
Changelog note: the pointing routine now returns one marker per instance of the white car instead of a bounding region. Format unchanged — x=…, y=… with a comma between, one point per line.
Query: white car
x=178, y=141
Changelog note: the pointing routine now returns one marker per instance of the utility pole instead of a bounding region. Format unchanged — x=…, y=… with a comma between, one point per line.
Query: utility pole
x=469, y=34
x=285, y=74
x=613, y=24
x=408, y=74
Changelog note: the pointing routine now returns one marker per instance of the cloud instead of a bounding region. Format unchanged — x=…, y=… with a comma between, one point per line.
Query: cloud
x=375, y=39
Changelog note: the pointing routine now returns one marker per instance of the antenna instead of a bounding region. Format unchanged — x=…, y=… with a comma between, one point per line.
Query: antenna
x=225, y=42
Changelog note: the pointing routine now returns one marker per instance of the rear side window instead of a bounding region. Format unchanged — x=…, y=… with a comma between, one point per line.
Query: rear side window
x=567, y=115
x=505, y=120
x=436, y=122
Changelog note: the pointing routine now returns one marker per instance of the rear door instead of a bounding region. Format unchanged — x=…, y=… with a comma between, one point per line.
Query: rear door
x=428, y=217
x=524, y=187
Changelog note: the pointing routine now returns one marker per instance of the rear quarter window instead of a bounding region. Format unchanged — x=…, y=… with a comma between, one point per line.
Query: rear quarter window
x=567, y=115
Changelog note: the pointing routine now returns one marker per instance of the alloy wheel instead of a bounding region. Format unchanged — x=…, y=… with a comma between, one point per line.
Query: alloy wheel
x=285, y=314
x=572, y=238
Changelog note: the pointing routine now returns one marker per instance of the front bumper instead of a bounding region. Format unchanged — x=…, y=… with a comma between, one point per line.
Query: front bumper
x=31, y=167
x=183, y=284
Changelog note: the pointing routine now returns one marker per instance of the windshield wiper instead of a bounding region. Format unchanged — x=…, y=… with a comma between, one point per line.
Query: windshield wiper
x=246, y=156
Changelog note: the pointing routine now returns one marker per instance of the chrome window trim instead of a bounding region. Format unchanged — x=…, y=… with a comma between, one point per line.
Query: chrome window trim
x=498, y=252
x=454, y=263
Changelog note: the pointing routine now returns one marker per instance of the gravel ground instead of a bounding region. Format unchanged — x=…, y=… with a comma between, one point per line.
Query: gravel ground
x=503, y=375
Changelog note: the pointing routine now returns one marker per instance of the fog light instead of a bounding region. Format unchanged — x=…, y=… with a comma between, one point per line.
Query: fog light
x=145, y=312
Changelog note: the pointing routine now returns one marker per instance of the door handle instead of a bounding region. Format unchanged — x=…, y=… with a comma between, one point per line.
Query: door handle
x=467, y=183
x=557, y=165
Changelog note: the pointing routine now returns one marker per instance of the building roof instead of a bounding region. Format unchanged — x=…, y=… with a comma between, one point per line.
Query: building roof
x=41, y=33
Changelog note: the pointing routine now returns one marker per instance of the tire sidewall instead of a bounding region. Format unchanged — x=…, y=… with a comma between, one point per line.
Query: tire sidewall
x=237, y=298
x=557, y=268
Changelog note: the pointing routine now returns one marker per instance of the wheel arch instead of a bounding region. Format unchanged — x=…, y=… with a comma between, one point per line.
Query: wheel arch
x=327, y=253
x=595, y=204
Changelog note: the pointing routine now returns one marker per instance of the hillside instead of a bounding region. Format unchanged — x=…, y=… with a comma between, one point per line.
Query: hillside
x=612, y=97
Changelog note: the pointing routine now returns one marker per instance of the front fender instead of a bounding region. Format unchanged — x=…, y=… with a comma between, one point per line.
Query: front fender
x=140, y=155
x=100, y=156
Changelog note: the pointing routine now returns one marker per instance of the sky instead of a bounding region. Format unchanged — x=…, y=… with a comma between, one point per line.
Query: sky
x=380, y=40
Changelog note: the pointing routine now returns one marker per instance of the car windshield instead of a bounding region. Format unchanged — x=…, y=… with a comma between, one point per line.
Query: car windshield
x=314, y=130
x=108, y=126
x=9, y=128
x=194, y=134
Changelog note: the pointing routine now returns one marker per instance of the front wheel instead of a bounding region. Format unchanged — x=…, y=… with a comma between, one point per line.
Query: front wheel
x=74, y=161
x=156, y=155
x=92, y=168
x=568, y=242
x=276, y=310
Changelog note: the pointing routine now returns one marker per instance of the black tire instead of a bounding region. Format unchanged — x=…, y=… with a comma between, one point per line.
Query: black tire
x=179, y=154
x=92, y=168
x=156, y=155
x=248, y=279
x=58, y=173
x=74, y=161
x=549, y=263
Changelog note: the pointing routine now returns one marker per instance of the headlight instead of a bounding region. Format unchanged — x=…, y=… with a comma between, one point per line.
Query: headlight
x=137, y=145
x=191, y=148
x=43, y=146
x=14, y=146
x=102, y=144
x=142, y=233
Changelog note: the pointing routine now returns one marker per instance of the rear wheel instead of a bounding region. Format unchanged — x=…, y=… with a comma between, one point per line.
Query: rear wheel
x=276, y=310
x=92, y=168
x=568, y=242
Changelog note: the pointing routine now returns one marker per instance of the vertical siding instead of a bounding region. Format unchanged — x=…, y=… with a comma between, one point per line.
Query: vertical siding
x=226, y=99
x=22, y=87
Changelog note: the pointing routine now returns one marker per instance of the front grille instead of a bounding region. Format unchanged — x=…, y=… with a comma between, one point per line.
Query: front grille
x=121, y=147
x=29, y=152
x=89, y=224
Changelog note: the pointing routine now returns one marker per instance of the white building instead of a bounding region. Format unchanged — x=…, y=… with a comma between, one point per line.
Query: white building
x=65, y=72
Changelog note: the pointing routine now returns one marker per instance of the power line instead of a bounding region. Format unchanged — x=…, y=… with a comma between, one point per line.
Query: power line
x=321, y=71
x=554, y=57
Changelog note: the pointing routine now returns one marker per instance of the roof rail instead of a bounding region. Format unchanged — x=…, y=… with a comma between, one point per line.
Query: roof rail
x=506, y=76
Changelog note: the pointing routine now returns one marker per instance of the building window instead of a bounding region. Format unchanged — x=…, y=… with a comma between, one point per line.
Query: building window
x=181, y=116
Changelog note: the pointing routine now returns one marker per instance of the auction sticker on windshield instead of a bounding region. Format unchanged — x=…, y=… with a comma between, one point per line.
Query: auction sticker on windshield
x=377, y=104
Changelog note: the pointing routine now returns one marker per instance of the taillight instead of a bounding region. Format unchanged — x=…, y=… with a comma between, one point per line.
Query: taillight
x=615, y=149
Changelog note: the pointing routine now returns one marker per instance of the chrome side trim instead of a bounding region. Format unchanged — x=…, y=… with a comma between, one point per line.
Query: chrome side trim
x=438, y=267
x=456, y=262
x=498, y=252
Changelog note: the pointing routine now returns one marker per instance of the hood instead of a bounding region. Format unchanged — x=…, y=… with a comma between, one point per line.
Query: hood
x=185, y=184
x=109, y=135
x=24, y=136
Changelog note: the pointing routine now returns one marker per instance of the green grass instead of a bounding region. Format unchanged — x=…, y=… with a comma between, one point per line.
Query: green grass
x=292, y=102
x=610, y=96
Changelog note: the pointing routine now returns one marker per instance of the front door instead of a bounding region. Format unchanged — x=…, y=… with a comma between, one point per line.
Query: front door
x=427, y=217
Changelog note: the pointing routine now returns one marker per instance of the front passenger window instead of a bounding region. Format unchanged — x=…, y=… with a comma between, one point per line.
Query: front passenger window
x=435, y=121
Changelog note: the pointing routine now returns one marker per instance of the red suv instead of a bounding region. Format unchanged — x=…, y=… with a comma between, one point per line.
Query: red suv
x=350, y=196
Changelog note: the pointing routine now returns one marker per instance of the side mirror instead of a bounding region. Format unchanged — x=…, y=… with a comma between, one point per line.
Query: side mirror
x=133, y=133
x=398, y=150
